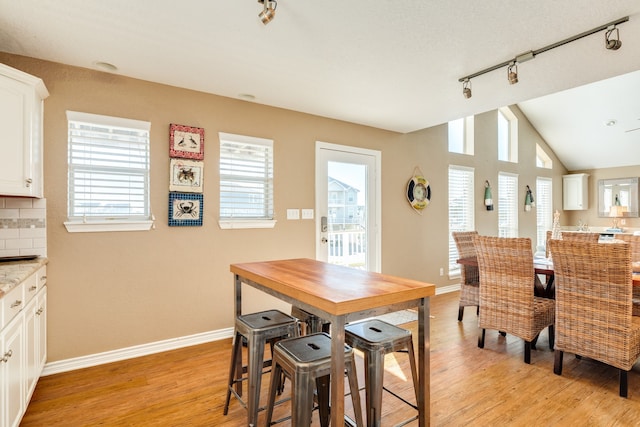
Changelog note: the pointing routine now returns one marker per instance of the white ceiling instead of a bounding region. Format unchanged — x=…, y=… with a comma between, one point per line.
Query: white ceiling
x=389, y=64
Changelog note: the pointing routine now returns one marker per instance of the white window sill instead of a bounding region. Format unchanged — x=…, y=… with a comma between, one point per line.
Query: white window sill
x=93, y=227
x=232, y=224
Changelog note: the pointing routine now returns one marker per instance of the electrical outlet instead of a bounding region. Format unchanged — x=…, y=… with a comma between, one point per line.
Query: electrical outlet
x=441, y=271
x=307, y=213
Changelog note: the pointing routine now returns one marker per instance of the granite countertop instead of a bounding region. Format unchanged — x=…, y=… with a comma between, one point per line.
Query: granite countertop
x=13, y=273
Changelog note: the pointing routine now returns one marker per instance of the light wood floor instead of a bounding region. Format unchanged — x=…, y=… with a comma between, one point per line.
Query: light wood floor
x=469, y=386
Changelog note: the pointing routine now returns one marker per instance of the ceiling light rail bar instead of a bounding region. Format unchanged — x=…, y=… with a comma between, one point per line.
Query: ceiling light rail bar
x=531, y=54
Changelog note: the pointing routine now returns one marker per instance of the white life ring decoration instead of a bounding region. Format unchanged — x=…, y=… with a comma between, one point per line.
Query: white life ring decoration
x=418, y=193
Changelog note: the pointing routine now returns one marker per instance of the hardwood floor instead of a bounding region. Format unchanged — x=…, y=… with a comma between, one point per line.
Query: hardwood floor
x=469, y=386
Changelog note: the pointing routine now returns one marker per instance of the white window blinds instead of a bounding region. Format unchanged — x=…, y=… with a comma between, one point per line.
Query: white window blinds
x=508, y=205
x=108, y=176
x=461, y=209
x=544, y=211
x=246, y=177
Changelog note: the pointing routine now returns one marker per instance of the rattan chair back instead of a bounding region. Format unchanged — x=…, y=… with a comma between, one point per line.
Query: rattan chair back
x=469, y=275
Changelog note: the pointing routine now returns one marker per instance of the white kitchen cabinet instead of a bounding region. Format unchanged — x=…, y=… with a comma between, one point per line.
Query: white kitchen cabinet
x=21, y=148
x=575, y=192
x=22, y=346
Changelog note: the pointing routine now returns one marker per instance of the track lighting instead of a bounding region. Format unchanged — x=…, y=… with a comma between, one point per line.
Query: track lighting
x=466, y=88
x=612, y=43
x=512, y=73
x=269, y=11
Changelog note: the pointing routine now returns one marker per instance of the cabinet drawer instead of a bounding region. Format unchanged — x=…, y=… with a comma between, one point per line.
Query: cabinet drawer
x=11, y=304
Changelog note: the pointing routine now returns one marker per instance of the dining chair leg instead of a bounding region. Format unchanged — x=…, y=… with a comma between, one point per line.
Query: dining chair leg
x=527, y=352
x=481, y=338
x=557, y=364
x=460, y=313
x=552, y=337
x=623, y=383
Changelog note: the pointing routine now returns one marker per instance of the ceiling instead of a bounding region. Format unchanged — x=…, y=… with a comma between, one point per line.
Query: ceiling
x=388, y=64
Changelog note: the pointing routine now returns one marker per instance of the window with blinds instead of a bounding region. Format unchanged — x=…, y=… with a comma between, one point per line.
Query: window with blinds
x=461, y=209
x=507, y=205
x=544, y=212
x=246, y=178
x=108, y=169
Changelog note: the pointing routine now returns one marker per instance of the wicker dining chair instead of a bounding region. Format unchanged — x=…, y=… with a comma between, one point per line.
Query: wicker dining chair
x=507, y=301
x=469, y=276
x=593, y=305
x=574, y=236
x=634, y=242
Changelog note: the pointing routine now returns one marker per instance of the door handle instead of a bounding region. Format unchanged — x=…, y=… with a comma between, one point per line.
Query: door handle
x=323, y=224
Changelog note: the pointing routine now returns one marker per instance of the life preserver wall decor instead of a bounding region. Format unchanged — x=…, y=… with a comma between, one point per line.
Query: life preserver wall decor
x=418, y=191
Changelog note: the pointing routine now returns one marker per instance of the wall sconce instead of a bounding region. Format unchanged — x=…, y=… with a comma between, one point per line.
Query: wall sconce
x=529, y=202
x=488, y=199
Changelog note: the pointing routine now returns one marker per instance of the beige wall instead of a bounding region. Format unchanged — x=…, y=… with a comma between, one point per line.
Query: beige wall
x=113, y=290
x=590, y=216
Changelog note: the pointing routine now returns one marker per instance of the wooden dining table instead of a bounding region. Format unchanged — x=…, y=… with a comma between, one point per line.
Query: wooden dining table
x=543, y=267
x=340, y=295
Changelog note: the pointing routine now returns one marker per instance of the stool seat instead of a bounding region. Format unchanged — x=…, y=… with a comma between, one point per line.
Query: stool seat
x=258, y=329
x=375, y=338
x=306, y=361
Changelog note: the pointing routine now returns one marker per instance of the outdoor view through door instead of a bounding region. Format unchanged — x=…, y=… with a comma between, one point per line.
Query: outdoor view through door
x=346, y=207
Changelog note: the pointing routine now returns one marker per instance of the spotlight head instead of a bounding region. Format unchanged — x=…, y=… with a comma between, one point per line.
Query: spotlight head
x=610, y=42
x=269, y=11
x=466, y=88
x=512, y=73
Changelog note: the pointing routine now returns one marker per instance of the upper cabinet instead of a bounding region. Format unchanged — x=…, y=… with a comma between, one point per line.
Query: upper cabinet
x=21, y=114
x=575, y=192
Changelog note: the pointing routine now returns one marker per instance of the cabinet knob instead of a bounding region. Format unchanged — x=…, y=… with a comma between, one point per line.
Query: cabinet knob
x=17, y=303
x=33, y=288
x=7, y=355
x=29, y=181
x=43, y=278
x=39, y=312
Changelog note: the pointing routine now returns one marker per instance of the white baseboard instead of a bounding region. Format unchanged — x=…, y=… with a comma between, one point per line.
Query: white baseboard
x=135, y=351
x=447, y=289
x=157, y=347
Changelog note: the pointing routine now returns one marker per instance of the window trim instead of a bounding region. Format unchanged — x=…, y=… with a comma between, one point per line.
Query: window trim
x=90, y=226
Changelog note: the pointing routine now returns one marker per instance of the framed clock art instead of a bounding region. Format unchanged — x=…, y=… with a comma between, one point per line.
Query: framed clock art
x=186, y=142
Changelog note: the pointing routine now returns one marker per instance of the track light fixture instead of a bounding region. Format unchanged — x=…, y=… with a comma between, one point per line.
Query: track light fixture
x=512, y=73
x=269, y=11
x=466, y=88
x=612, y=42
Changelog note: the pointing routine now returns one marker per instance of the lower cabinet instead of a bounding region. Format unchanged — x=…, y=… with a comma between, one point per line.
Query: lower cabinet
x=23, y=349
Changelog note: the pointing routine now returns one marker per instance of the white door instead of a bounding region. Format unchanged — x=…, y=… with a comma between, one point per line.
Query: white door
x=348, y=206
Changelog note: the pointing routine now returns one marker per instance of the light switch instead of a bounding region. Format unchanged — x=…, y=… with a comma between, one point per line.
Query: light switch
x=307, y=213
x=293, y=213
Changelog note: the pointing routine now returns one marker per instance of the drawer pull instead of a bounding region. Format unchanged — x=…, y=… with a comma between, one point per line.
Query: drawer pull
x=18, y=303
x=39, y=312
x=33, y=288
x=7, y=355
x=43, y=277
x=29, y=181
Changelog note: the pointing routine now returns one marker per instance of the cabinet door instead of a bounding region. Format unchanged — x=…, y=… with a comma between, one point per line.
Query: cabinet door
x=12, y=369
x=32, y=339
x=41, y=314
x=16, y=104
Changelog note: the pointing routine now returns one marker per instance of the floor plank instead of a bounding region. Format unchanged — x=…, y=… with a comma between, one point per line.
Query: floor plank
x=469, y=386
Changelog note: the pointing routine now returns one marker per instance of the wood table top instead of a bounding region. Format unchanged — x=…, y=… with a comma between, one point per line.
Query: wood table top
x=333, y=288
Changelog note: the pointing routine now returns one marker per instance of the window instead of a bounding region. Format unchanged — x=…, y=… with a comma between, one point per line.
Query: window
x=542, y=158
x=246, y=182
x=544, y=212
x=461, y=209
x=507, y=136
x=461, y=136
x=108, y=175
x=507, y=205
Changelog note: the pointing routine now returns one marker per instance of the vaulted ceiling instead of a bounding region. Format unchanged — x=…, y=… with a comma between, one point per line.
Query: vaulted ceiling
x=389, y=64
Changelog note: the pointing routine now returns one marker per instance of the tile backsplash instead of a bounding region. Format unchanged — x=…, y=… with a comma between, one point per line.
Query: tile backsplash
x=23, y=226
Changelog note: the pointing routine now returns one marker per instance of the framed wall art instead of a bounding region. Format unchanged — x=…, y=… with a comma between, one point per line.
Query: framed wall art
x=186, y=142
x=185, y=209
x=186, y=175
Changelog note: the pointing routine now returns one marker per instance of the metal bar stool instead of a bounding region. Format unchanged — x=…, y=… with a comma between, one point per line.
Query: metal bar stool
x=257, y=329
x=312, y=322
x=306, y=361
x=375, y=338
